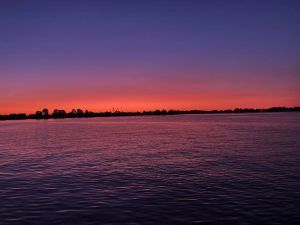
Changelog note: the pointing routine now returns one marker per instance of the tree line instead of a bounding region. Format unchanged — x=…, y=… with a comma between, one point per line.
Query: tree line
x=79, y=113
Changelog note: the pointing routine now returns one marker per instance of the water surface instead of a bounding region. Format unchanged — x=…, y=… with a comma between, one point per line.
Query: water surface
x=185, y=169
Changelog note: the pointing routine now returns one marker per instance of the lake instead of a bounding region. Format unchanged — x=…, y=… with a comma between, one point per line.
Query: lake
x=181, y=169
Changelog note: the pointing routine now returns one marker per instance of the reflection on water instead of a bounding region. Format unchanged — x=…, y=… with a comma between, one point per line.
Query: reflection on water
x=185, y=169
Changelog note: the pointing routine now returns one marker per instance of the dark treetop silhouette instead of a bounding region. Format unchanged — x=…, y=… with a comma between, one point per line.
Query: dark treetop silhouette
x=78, y=113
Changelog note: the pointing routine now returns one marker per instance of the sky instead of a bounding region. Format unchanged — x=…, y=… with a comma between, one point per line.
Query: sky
x=150, y=54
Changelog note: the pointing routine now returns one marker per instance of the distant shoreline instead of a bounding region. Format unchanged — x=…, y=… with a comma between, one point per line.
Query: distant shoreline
x=61, y=114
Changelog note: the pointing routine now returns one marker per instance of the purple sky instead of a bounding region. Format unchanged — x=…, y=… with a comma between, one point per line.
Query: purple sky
x=139, y=55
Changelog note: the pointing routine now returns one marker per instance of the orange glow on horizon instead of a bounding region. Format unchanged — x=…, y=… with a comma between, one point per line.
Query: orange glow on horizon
x=140, y=105
x=151, y=95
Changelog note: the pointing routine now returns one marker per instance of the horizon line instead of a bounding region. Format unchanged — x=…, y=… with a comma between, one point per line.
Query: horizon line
x=78, y=113
x=119, y=110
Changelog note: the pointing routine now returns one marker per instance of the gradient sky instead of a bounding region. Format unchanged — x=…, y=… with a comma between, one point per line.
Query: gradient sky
x=155, y=54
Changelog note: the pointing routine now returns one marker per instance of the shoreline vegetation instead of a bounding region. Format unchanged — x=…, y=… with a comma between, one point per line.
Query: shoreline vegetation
x=78, y=113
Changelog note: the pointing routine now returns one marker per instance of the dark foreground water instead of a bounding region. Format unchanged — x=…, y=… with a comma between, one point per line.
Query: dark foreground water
x=186, y=169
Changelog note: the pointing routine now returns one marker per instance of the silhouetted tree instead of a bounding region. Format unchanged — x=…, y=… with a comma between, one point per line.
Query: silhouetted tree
x=79, y=112
x=58, y=113
x=45, y=112
x=38, y=114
